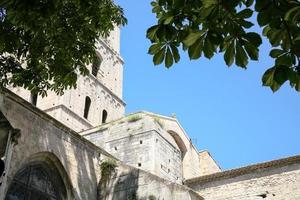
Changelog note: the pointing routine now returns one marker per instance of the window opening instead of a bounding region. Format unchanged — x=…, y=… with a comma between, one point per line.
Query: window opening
x=33, y=182
x=87, y=107
x=96, y=65
x=104, y=116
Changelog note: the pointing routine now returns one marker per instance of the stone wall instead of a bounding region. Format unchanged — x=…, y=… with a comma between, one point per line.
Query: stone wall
x=207, y=164
x=136, y=184
x=44, y=139
x=173, y=155
x=77, y=161
x=275, y=180
x=138, y=140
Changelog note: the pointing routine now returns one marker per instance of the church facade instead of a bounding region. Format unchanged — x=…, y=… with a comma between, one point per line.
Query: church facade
x=81, y=145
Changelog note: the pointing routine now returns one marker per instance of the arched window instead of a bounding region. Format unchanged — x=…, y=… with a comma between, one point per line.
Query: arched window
x=87, y=106
x=104, y=116
x=34, y=182
x=96, y=65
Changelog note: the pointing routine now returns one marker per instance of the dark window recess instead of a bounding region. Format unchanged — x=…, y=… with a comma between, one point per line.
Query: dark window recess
x=169, y=170
x=96, y=65
x=262, y=196
x=139, y=164
x=141, y=141
x=87, y=107
x=104, y=116
x=33, y=99
x=34, y=182
x=116, y=148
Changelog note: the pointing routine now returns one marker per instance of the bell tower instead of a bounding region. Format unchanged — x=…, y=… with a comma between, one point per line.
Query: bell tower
x=98, y=96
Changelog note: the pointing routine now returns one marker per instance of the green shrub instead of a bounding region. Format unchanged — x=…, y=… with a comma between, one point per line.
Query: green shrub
x=134, y=118
x=107, y=168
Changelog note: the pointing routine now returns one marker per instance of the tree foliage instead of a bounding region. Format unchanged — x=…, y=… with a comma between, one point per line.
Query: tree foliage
x=46, y=44
x=207, y=27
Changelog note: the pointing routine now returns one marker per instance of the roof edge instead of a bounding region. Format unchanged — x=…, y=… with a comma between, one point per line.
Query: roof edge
x=244, y=170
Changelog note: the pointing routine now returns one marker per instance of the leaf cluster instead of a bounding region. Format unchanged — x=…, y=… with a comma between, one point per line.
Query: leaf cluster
x=45, y=45
x=207, y=27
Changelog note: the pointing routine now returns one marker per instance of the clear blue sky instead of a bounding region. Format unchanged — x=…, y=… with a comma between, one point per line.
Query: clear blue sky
x=224, y=110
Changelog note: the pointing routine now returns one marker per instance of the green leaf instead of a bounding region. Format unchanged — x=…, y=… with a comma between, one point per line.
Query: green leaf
x=169, y=58
x=297, y=38
x=151, y=32
x=192, y=38
x=285, y=60
x=252, y=51
x=269, y=80
x=154, y=48
x=175, y=53
x=274, y=53
x=246, y=13
x=246, y=24
x=263, y=18
x=159, y=56
x=229, y=54
x=260, y=4
x=241, y=58
x=168, y=20
x=293, y=11
x=249, y=3
x=195, y=50
x=206, y=11
x=208, y=48
x=208, y=3
x=254, y=38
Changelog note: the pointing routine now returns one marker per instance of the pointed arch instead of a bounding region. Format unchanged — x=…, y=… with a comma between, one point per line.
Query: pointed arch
x=44, y=175
x=180, y=143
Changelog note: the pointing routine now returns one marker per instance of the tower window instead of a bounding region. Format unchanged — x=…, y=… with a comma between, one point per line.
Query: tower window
x=87, y=107
x=33, y=99
x=96, y=65
x=104, y=116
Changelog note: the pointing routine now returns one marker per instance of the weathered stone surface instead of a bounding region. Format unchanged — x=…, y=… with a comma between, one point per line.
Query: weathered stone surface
x=207, y=164
x=45, y=140
x=128, y=181
x=42, y=137
x=276, y=180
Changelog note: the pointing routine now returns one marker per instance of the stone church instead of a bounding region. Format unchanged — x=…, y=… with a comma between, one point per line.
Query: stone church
x=57, y=147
